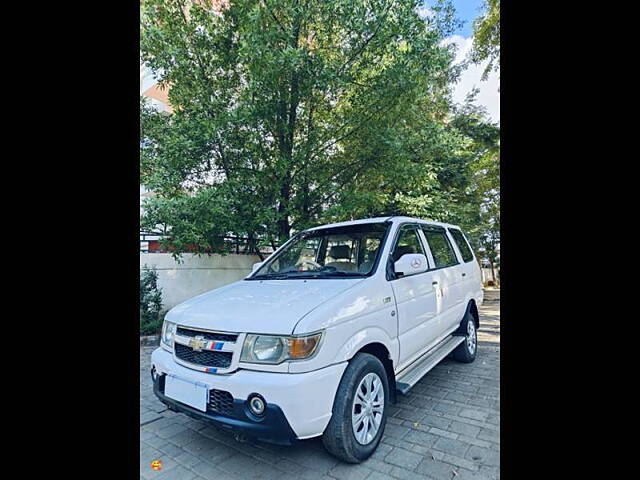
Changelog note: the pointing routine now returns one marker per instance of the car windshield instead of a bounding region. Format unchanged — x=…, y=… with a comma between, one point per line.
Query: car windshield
x=349, y=251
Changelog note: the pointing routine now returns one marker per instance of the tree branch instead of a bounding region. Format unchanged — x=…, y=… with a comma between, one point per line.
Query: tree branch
x=368, y=40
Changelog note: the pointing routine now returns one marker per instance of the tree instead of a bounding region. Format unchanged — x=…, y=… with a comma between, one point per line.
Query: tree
x=482, y=220
x=150, y=301
x=290, y=113
x=486, y=37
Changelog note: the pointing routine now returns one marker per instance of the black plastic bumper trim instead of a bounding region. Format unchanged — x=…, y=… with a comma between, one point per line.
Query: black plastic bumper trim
x=272, y=427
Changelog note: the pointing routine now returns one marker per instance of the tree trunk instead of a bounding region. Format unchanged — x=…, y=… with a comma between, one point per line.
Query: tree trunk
x=288, y=119
x=257, y=251
x=284, y=230
x=283, y=210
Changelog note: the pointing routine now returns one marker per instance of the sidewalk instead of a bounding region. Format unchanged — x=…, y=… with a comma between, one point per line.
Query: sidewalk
x=447, y=427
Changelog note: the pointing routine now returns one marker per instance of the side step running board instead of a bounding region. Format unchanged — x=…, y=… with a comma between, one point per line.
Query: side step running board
x=412, y=374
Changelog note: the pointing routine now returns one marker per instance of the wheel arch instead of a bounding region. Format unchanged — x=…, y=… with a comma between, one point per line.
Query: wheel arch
x=472, y=308
x=381, y=352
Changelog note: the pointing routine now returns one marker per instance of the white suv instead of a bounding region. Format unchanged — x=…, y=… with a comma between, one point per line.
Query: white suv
x=324, y=334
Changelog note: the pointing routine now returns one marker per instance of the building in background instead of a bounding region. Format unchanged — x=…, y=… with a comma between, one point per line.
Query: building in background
x=157, y=95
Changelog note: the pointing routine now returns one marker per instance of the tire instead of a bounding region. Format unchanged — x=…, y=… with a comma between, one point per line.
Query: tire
x=339, y=437
x=466, y=352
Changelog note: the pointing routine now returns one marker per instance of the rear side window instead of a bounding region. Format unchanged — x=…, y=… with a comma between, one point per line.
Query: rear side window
x=463, y=246
x=443, y=254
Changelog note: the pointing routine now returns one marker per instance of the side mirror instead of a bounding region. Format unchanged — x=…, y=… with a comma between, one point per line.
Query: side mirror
x=410, y=264
x=256, y=266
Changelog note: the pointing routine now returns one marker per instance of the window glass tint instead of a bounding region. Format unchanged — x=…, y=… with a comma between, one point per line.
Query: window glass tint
x=341, y=252
x=301, y=255
x=370, y=247
x=408, y=242
x=443, y=254
x=335, y=251
x=464, y=247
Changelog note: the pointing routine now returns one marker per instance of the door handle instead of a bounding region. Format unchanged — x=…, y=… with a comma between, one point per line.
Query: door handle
x=434, y=283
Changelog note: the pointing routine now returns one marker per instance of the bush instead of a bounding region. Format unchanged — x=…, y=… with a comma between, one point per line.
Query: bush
x=150, y=302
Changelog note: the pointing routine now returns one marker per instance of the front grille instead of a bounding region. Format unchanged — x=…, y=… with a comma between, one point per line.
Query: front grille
x=220, y=402
x=208, y=358
x=218, y=337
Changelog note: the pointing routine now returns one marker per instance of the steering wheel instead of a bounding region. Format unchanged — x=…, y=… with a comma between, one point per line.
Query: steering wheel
x=310, y=262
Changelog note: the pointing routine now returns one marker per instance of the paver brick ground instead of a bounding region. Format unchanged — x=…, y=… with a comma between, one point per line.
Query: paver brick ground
x=447, y=427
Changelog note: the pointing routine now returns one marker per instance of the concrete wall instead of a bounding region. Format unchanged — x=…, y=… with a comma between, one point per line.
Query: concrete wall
x=486, y=274
x=195, y=275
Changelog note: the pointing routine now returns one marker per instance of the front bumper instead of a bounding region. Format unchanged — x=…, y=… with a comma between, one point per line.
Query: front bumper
x=298, y=405
x=272, y=427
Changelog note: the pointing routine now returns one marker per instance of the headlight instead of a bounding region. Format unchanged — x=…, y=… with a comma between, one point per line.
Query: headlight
x=276, y=349
x=168, y=331
x=267, y=348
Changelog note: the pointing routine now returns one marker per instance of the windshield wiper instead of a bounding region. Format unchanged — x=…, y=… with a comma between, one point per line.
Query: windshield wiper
x=270, y=276
x=341, y=273
x=306, y=274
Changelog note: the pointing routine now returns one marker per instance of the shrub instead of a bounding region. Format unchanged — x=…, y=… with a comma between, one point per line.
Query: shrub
x=150, y=302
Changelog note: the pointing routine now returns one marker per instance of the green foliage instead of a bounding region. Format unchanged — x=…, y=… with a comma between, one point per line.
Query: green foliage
x=486, y=37
x=150, y=302
x=482, y=221
x=294, y=113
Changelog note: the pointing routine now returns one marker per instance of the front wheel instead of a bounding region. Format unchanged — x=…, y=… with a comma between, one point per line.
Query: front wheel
x=359, y=410
x=466, y=351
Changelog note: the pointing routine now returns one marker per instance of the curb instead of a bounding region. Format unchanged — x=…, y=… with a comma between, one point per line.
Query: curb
x=148, y=340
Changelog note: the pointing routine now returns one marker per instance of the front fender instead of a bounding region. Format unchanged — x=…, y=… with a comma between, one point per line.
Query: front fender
x=366, y=337
x=341, y=344
x=362, y=315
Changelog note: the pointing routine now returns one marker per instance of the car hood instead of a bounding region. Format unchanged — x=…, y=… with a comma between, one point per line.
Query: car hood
x=253, y=306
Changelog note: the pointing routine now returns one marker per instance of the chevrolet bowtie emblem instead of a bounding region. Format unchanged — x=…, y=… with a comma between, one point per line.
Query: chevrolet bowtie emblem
x=197, y=343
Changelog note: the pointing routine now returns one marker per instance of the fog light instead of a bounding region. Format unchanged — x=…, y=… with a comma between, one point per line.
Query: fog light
x=154, y=374
x=256, y=404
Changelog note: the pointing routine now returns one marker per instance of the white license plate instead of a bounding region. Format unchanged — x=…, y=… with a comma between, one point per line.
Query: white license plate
x=194, y=394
